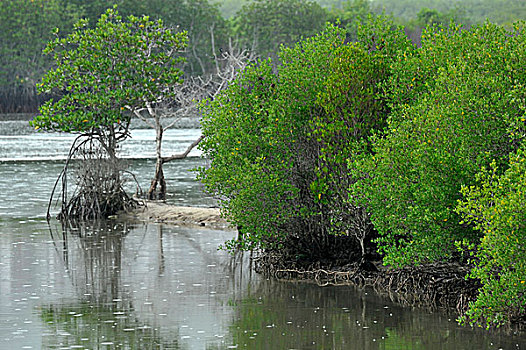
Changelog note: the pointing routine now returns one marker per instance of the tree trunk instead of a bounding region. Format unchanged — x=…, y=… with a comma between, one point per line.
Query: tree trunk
x=158, y=178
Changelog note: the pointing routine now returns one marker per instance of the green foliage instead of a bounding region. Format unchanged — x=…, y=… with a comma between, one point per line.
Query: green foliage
x=351, y=14
x=266, y=25
x=280, y=143
x=354, y=107
x=497, y=208
x=256, y=138
x=454, y=101
x=104, y=70
x=238, y=144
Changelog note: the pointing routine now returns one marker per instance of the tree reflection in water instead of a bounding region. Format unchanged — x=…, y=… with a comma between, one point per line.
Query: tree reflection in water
x=92, y=256
x=104, y=316
x=145, y=286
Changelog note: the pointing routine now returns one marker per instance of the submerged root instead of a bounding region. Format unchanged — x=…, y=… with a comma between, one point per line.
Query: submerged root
x=440, y=284
x=322, y=277
x=432, y=285
x=87, y=205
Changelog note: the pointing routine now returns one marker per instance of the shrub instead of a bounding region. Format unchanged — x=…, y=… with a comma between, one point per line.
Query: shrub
x=453, y=102
x=353, y=108
x=280, y=142
x=256, y=137
x=497, y=208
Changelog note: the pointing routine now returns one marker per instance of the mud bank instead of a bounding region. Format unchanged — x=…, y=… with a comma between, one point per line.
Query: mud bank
x=177, y=215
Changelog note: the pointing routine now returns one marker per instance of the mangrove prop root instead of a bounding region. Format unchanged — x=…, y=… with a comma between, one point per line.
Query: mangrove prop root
x=433, y=285
x=97, y=179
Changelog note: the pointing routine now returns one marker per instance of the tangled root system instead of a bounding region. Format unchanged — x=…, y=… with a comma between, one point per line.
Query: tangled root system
x=432, y=285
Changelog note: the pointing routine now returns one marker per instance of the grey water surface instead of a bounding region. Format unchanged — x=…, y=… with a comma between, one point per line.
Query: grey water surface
x=133, y=285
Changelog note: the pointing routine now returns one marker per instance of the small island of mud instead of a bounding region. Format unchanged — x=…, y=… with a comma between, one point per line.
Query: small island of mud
x=178, y=215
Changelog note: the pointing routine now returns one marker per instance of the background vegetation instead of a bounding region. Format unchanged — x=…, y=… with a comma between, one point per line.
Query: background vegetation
x=26, y=26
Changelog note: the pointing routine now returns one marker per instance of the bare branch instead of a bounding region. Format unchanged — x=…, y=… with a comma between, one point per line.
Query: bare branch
x=185, y=153
x=138, y=114
x=186, y=97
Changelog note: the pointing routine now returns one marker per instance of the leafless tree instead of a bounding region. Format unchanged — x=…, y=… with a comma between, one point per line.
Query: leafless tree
x=228, y=63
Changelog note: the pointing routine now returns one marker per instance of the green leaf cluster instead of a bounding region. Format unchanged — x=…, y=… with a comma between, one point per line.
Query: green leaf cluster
x=453, y=104
x=105, y=71
x=355, y=107
x=496, y=206
x=280, y=140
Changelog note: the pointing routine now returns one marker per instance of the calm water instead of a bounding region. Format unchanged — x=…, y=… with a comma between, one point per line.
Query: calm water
x=124, y=285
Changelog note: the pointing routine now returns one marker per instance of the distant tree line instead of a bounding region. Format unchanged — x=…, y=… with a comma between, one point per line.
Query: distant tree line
x=262, y=26
x=26, y=27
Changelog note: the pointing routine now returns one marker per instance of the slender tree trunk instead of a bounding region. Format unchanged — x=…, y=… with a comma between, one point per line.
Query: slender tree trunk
x=109, y=143
x=158, y=178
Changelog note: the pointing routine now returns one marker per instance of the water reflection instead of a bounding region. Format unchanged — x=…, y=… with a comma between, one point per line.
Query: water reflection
x=122, y=285
x=285, y=315
x=88, y=326
x=144, y=286
x=92, y=256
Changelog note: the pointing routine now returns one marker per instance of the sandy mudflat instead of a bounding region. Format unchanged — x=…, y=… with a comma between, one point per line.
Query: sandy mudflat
x=188, y=216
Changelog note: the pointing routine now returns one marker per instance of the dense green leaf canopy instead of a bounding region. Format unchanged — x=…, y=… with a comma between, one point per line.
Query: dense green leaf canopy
x=104, y=71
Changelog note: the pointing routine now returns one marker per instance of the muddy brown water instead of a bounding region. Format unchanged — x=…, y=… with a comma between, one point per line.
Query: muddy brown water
x=133, y=285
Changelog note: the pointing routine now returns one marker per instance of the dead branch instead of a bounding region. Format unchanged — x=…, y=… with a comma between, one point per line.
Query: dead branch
x=185, y=153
